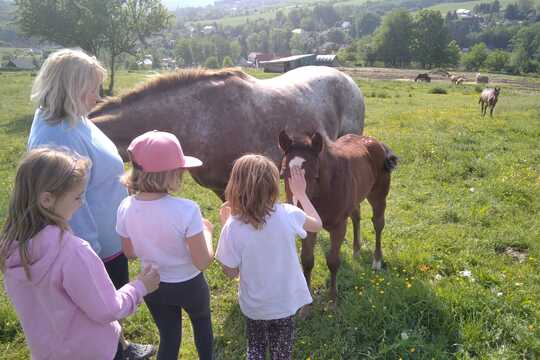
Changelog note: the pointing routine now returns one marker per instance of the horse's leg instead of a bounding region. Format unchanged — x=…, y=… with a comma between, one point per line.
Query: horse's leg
x=333, y=259
x=308, y=261
x=491, y=110
x=377, y=200
x=357, y=242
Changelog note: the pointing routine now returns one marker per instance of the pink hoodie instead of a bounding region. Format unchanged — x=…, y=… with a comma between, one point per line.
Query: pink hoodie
x=70, y=308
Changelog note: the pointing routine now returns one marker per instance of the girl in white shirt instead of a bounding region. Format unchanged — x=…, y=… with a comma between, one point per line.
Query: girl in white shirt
x=257, y=243
x=170, y=233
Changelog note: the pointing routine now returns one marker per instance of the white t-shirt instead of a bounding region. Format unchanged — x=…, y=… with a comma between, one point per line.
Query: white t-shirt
x=158, y=230
x=272, y=285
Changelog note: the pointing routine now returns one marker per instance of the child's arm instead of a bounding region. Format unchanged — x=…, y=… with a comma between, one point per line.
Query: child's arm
x=87, y=283
x=200, y=247
x=127, y=248
x=230, y=272
x=297, y=184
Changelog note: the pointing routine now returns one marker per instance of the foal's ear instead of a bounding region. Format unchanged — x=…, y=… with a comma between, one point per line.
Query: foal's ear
x=284, y=141
x=316, y=143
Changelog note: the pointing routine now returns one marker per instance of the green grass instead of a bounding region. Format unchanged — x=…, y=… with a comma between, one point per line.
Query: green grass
x=466, y=189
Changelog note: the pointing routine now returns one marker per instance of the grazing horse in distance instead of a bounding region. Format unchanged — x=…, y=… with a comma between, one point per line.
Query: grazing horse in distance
x=488, y=98
x=220, y=115
x=339, y=176
x=481, y=79
x=460, y=80
x=422, y=77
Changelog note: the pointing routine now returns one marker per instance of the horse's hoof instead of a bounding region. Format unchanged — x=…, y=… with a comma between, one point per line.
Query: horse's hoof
x=376, y=265
x=304, y=312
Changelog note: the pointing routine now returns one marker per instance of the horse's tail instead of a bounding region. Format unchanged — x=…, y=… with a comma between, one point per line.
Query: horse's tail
x=390, y=159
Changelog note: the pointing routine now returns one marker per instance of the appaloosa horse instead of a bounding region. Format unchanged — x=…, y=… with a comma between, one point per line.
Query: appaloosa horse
x=488, y=98
x=340, y=175
x=220, y=115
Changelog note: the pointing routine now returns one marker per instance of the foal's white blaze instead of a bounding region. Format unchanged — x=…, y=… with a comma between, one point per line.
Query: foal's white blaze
x=296, y=161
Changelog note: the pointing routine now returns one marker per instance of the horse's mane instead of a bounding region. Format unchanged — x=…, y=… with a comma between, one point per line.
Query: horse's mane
x=165, y=82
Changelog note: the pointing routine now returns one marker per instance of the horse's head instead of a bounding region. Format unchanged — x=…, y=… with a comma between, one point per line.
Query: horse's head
x=497, y=91
x=301, y=151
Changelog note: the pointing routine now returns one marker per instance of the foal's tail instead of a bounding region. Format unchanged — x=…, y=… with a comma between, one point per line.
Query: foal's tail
x=390, y=159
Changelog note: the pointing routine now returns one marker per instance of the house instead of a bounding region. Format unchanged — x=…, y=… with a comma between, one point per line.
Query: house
x=254, y=58
x=285, y=64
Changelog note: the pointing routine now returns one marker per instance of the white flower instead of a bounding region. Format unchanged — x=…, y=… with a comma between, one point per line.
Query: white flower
x=438, y=277
x=471, y=189
x=465, y=273
x=404, y=335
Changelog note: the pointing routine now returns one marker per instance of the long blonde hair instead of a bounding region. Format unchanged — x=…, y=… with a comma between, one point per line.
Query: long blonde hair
x=41, y=170
x=63, y=82
x=253, y=189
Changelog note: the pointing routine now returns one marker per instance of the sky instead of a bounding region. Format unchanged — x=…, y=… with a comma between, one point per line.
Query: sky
x=173, y=4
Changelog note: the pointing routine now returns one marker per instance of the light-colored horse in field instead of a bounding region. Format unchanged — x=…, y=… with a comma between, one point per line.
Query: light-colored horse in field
x=220, y=115
x=488, y=98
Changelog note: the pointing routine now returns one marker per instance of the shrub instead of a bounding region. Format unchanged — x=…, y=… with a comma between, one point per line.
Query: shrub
x=437, y=90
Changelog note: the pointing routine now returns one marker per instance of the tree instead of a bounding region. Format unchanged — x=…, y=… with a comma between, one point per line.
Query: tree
x=111, y=26
x=325, y=16
x=227, y=62
x=453, y=53
x=511, y=12
x=211, y=63
x=526, y=53
x=183, y=51
x=497, y=60
x=430, y=39
x=392, y=42
x=279, y=41
x=475, y=58
x=366, y=24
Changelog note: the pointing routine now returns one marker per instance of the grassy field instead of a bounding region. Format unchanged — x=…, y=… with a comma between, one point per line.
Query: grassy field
x=461, y=248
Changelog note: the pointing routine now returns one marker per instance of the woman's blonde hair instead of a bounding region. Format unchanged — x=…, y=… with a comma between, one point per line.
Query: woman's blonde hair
x=63, y=82
x=137, y=180
x=253, y=189
x=41, y=170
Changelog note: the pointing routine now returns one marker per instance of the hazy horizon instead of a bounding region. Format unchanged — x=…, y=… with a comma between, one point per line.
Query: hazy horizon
x=174, y=4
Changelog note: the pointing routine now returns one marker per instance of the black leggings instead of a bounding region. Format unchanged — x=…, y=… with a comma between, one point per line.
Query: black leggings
x=166, y=304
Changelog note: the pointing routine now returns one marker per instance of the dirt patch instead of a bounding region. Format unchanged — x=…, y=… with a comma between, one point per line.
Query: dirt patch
x=372, y=73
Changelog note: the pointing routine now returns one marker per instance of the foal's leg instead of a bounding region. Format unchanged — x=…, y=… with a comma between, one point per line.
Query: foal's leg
x=308, y=261
x=377, y=199
x=357, y=242
x=333, y=259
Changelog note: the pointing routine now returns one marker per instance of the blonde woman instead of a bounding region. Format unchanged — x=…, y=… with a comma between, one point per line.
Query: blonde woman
x=257, y=243
x=65, y=90
x=60, y=289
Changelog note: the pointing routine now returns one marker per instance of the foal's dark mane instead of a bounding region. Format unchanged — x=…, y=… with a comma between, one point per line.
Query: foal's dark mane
x=165, y=82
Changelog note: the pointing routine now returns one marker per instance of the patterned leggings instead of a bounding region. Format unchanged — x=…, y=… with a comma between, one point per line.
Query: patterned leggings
x=277, y=335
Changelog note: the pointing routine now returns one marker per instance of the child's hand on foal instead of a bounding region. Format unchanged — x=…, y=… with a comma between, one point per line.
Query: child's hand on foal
x=297, y=182
x=150, y=278
x=224, y=212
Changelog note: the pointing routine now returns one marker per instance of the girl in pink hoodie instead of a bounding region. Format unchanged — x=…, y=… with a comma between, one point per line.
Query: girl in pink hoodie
x=66, y=302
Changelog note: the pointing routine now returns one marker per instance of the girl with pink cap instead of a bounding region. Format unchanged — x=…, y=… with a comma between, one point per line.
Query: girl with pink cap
x=170, y=233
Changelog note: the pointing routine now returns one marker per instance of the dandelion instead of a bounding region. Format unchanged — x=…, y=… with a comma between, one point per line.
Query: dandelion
x=423, y=267
x=382, y=291
x=412, y=350
x=472, y=189
x=408, y=285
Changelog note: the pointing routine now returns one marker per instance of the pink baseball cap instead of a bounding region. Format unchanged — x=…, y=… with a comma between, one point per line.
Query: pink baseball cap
x=157, y=151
